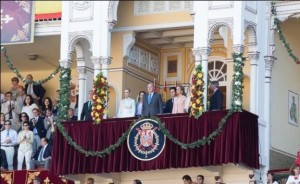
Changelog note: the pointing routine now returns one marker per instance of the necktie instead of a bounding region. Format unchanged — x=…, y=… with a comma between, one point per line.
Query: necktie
x=149, y=98
x=10, y=111
x=90, y=104
x=41, y=154
x=7, y=133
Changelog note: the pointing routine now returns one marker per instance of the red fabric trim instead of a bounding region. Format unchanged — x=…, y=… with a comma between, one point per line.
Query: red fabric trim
x=48, y=16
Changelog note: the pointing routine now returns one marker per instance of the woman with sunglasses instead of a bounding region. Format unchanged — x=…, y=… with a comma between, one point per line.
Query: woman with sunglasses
x=25, y=140
x=29, y=105
x=24, y=118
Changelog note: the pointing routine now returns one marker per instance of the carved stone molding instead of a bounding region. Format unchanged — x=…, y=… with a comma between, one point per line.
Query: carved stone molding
x=96, y=62
x=74, y=36
x=105, y=60
x=215, y=24
x=111, y=25
x=269, y=61
x=205, y=51
x=238, y=48
x=66, y=63
x=197, y=54
x=81, y=70
x=128, y=42
x=253, y=56
x=81, y=5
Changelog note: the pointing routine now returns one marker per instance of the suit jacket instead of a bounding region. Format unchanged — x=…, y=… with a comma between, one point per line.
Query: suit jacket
x=3, y=160
x=86, y=112
x=73, y=118
x=39, y=125
x=47, y=152
x=155, y=107
x=216, y=101
x=38, y=90
x=169, y=106
x=15, y=111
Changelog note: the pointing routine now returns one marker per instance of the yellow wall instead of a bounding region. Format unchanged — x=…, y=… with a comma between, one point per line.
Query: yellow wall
x=285, y=76
x=126, y=17
x=42, y=7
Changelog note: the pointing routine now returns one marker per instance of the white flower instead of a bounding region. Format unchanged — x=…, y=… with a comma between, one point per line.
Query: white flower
x=239, y=59
x=237, y=73
x=237, y=83
x=237, y=102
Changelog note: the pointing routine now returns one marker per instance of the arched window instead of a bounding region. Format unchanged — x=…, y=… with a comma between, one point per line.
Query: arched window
x=217, y=71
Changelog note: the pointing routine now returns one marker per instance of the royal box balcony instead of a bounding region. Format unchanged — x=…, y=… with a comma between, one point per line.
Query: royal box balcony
x=237, y=143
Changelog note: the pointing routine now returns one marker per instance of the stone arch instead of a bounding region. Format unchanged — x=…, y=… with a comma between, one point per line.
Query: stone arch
x=215, y=26
x=250, y=28
x=74, y=45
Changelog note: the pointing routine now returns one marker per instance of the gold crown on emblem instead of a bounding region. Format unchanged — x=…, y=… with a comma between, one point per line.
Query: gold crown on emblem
x=146, y=126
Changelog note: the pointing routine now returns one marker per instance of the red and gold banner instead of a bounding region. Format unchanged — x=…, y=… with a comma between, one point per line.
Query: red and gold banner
x=17, y=22
x=26, y=177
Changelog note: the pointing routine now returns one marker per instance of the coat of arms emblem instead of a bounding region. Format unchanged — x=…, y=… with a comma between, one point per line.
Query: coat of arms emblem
x=145, y=140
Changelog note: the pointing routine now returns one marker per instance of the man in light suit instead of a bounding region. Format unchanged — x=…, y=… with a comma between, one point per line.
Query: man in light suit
x=216, y=100
x=127, y=106
x=152, y=104
x=11, y=110
x=87, y=108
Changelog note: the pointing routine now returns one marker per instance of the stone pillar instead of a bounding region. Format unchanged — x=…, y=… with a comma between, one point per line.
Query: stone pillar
x=82, y=88
x=66, y=63
x=269, y=61
x=105, y=61
x=254, y=56
x=205, y=51
x=97, y=65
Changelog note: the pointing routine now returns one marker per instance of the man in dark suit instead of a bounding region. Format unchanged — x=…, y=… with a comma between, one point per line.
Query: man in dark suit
x=37, y=91
x=42, y=156
x=71, y=115
x=4, y=165
x=152, y=103
x=169, y=103
x=38, y=129
x=87, y=108
x=216, y=100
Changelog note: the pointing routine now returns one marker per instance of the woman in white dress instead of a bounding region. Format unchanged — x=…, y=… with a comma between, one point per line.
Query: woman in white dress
x=294, y=178
x=127, y=106
x=179, y=105
x=29, y=105
x=25, y=139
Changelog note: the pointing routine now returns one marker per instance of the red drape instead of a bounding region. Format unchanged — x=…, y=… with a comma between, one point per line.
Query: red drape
x=26, y=177
x=238, y=143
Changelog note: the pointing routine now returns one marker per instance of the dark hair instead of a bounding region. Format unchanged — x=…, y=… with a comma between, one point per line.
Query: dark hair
x=187, y=178
x=9, y=92
x=91, y=180
x=31, y=100
x=50, y=104
x=137, y=181
x=201, y=176
x=8, y=122
x=270, y=172
x=174, y=88
x=20, y=116
x=138, y=98
x=45, y=139
x=26, y=122
x=292, y=168
x=215, y=83
x=15, y=79
x=36, y=109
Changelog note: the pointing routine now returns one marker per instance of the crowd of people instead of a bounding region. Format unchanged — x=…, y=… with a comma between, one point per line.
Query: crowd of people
x=28, y=118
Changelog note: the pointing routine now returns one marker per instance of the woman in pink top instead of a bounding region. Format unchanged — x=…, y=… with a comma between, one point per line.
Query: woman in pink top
x=179, y=101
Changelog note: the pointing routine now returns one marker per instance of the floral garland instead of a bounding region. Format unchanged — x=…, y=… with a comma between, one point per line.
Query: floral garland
x=99, y=98
x=196, y=103
x=282, y=37
x=15, y=70
x=64, y=93
x=238, y=78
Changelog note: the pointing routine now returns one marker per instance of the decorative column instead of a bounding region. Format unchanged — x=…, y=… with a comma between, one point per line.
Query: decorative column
x=254, y=56
x=269, y=62
x=238, y=77
x=105, y=61
x=205, y=51
x=64, y=93
x=97, y=65
x=82, y=88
